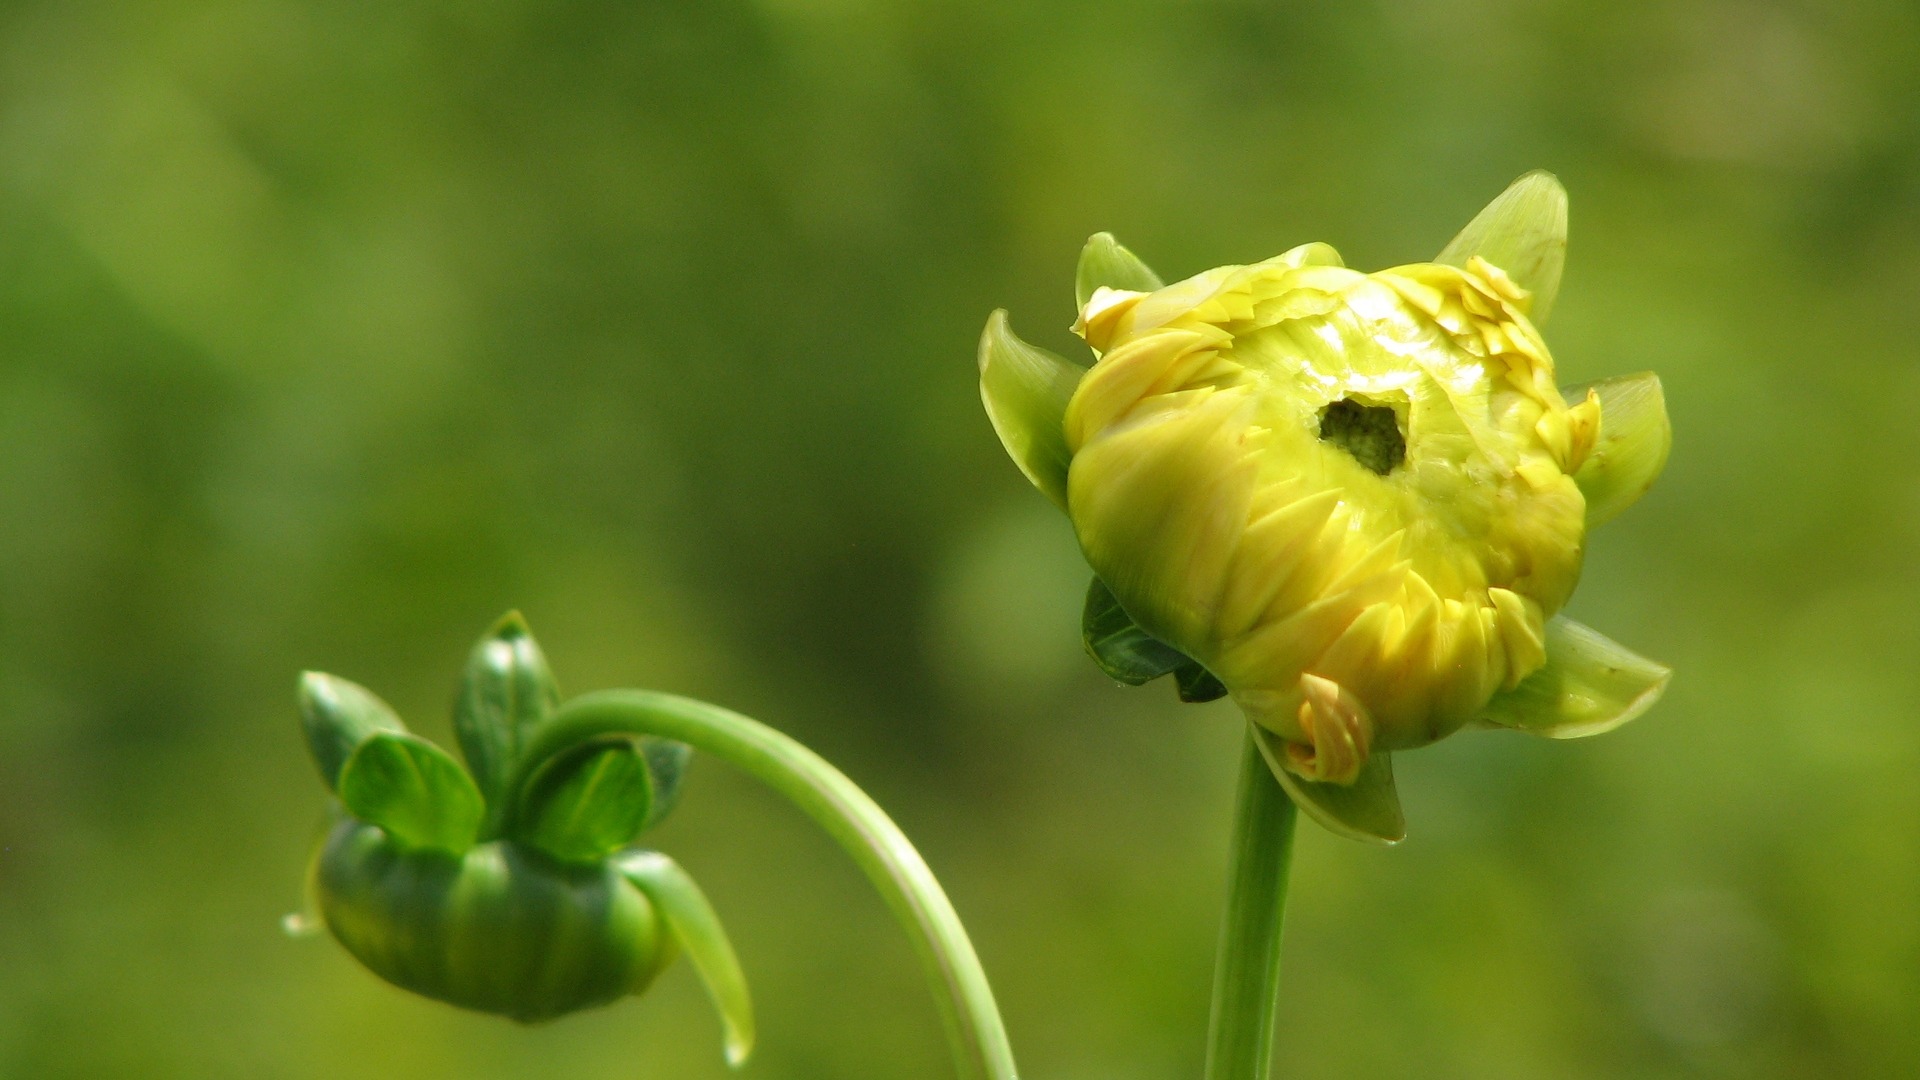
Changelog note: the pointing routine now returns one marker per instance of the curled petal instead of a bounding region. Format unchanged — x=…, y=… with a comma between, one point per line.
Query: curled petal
x=1367, y=809
x=1025, y=389
x=1588, y=685
x=1524, y=233
x=1338, y=731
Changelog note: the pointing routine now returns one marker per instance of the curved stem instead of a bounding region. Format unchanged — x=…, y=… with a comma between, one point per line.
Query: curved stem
x=1246, y=976
x=853, y=819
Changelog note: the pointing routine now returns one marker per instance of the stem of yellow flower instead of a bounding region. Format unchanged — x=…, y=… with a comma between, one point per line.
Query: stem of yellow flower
x=1246, y=976
x=854, y=820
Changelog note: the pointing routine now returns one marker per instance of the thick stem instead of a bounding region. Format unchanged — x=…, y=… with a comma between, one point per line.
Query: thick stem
x=1246, y=976
x=853, y=819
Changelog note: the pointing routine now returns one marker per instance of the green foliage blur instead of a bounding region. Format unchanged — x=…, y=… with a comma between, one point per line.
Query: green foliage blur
x=330, y=331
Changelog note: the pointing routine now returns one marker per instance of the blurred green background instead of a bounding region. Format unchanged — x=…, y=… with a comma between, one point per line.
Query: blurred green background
x=330, y=331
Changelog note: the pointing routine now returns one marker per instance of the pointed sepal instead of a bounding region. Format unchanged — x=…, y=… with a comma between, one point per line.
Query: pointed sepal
x=1367, y=809
x=1632, y=448
x=1025, y=389
x=1197, y=684
x=1130, y=655
x=1125, y=652
x=667, y=763
x=1589, y=685
x=697, y=927
x=337, y=716
x=414, y=791
x=506, y=691
x=1523, y=232
x=588, y=802
x=1104, y=262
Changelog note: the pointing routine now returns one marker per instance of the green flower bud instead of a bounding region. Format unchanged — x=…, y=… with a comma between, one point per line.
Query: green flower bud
x=512, y=890
x=501, y=928
x=1354, y=501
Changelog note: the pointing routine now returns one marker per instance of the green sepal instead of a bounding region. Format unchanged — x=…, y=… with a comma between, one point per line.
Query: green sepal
x=1523, y=232
x=1130, y=655
x=1125, y=652
x=1367, y=809
x=1104, y=262
x=414, y=791
x=691, y=919
x=667, y=763
x=337, y=717
x=588, y=802
x=1589, y=685
x=1632, y=448
x=1197, y=684
x=506, y=691
x=1025, y=389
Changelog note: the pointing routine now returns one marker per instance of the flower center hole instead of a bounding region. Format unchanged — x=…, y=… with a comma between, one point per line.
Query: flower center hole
x=1371, y=433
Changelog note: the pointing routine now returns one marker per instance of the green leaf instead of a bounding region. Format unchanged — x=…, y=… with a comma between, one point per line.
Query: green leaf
x=413, y=790
x=1125, y=652
x=1589, y=685
x=1367, y=809
x=693, y=921
x=337, y=717
x=1524, y=232
x=587, y=803
x=1025, y=390
x=506, y=691
x=667, y=763
x=1105, y=262
x=1632, y=448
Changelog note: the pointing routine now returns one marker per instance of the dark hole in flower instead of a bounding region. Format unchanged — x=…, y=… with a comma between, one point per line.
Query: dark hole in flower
x=1371, y=433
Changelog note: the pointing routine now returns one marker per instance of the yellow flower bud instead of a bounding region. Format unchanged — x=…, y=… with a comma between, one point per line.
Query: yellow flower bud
x=1357, y=500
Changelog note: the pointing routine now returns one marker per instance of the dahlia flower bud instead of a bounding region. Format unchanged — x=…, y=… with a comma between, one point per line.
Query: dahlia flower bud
x=1354, y=502
x=513, y=888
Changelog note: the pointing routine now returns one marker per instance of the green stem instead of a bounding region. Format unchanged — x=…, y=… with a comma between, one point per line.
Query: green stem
x=1246, y=976
x=847, y=814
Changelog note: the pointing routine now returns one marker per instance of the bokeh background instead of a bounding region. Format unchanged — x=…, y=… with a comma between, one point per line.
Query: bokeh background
x=329, y=331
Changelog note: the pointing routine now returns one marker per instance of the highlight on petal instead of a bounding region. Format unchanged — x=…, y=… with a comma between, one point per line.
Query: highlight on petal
x=1367, y=809
x=1632, y=448
x=1025, y=389
x=1105, y=263
x=1523, y=232
x=1588, y=686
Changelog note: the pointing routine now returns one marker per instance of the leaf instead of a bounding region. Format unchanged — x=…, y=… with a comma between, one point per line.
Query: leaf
x=1025, y=390
x=506, y=691
x=1524, y=232
x=1125, y=652
x=414, y=791
x=1105, y=262
x=1632, y=448
x=1589, y=685
x=588, y=802
x=1367, y=809
x=693, y=921
x=337, y=717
